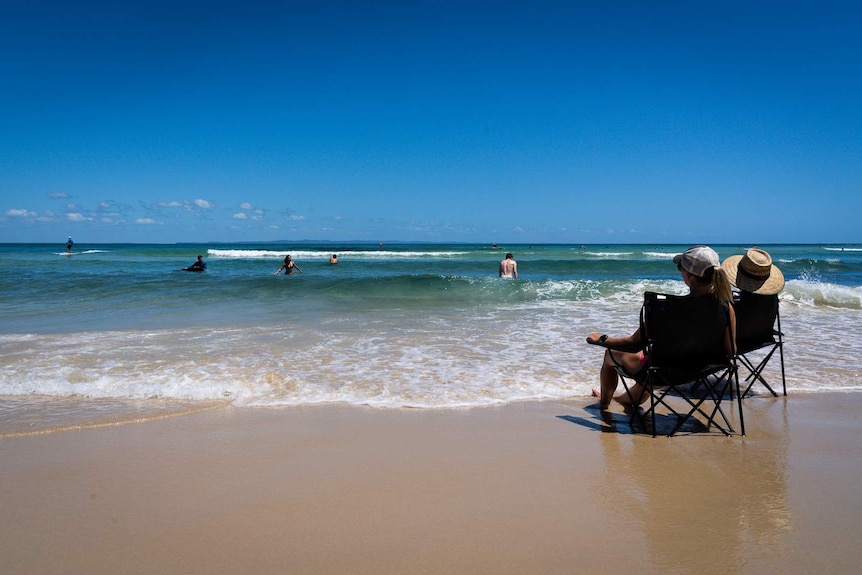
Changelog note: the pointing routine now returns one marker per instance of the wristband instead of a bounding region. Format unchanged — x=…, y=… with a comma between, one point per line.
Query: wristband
x=603, y=338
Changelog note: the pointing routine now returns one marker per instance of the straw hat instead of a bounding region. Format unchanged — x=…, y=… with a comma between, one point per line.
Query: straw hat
x=754, y=272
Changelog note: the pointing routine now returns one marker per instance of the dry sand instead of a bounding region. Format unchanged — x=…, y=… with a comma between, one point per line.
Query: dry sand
x=545, y=487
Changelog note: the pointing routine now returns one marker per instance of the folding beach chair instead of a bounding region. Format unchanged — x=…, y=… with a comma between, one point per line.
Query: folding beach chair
x=758, y=327
x=685, y=358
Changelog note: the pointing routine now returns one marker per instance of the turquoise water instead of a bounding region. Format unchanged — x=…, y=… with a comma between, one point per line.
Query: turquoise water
x=415, y=325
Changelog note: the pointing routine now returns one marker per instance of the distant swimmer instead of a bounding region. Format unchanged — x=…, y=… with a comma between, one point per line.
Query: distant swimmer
x=198, y=266
x=509, y=267
x=69, y=244
x=333, y=259
x=288, y=266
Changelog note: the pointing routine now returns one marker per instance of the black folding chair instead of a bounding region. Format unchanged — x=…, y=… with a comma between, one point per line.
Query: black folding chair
x=758, y=327
x=685, y=358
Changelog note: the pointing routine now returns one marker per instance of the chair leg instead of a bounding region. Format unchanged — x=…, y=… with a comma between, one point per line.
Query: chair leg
x=755, y=372
x=780, y=336
x=738, y=400
x=714, y=394
x=781, y=356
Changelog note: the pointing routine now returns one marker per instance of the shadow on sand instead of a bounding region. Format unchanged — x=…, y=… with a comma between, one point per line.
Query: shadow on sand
x=629, y=422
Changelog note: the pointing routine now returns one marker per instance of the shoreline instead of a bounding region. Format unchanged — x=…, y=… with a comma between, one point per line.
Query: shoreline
x=528, y=487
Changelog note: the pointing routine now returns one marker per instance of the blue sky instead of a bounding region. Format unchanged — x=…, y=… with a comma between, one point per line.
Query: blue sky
x=581, y=122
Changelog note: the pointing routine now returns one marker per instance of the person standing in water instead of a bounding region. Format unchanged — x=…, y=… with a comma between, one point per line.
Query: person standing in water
x=509, y=267
x=69, y=244
x=333, y=259
x=288, y=266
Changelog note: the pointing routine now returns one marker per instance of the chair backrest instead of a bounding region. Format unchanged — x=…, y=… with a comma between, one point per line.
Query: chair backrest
x=755, y=320
x=684, y=333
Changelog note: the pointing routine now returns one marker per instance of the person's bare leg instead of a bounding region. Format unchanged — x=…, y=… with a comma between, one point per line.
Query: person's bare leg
x=628, y=400
x=609, y=379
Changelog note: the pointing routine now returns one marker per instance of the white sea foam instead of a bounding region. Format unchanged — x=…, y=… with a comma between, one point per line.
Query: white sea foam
x=401, y=357
x=608, y=254
x=815, y=293
x=81, y=252
x=318, y=254
x=661, y=255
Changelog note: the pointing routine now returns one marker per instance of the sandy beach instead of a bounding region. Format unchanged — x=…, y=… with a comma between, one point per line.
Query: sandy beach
x=534, y=487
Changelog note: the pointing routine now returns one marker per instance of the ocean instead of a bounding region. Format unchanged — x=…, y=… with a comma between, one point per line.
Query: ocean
x=116, y=332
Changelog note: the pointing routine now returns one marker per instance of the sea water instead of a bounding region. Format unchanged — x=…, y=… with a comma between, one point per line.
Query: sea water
x=117, y=331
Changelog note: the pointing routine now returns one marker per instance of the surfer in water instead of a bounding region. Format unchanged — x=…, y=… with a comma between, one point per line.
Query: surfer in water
x=198, y=266
x=69, y=244
x=288, y=266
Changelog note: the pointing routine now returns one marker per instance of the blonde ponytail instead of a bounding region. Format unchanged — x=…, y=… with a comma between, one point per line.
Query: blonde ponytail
x=721, y=286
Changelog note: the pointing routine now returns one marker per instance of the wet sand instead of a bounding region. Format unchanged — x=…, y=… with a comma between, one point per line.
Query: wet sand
x=544, y=487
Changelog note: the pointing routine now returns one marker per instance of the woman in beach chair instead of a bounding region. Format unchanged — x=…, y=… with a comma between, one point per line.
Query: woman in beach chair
x=702, y=273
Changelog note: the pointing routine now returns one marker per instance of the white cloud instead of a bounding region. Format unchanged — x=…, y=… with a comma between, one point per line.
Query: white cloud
x=59, y=195
x=246, y=206
x=75, y=217
x=189, y=206
x=240, y=216
x=146, y=221
x=13, y=213
x=296, y=218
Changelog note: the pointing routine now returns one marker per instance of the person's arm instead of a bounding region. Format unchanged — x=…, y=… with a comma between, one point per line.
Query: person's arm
x=278, y=271
x=515, y=270
x=296, y=267
x=629, y=343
